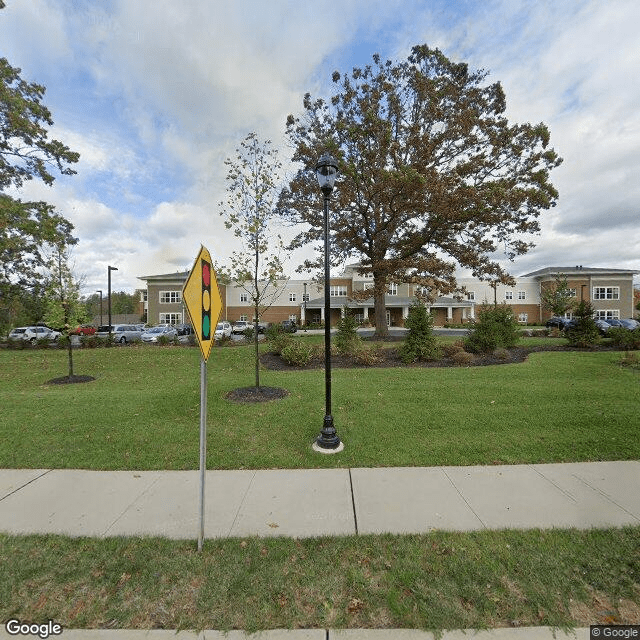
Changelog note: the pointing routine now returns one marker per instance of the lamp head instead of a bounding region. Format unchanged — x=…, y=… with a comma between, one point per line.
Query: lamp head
x=326, y=172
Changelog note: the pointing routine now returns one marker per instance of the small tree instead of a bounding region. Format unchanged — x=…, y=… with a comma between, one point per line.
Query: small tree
x=557, y=297
x=496, y=327
x=420, y=343
x=583, y=331
x=64, y=309
x=253, y=186
x=347, y=339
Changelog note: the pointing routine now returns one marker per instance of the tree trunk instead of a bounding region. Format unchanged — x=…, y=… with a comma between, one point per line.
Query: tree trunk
x=380, y=309
x=69, y=346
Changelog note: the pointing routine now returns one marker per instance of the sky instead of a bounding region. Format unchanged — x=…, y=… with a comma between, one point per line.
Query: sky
x=156, y=94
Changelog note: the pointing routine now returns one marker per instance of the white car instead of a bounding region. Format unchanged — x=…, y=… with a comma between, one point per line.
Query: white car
x=240, y=326
x=33, y=334
x=153, y=334
x=223, y=330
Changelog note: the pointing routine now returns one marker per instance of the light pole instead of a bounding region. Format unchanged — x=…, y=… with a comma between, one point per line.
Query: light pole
x=304, y=302
x=100, y=292
x=328, y=440
x=109, y=270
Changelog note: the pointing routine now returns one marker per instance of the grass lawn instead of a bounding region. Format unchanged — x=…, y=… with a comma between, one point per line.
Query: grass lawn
x=437, y=581
x=142, y=412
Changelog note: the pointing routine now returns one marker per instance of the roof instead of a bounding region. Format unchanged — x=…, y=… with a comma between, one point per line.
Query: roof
x=577, y=269
x=176, y=275
x=337, y=302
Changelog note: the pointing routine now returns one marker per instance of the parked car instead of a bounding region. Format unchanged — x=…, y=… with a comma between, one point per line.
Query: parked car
x=558, y=322
x=121, y=333
x=603, y=326
x=184, y=329
x=289, y=326
x=223, y=330
x=240, y=326
x=33, y=334
x=630, y=323
x=83, y=330
x=614, y=322
x=153, y=334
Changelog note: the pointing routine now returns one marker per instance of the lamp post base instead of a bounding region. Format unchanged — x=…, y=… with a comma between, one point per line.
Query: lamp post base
x=328, y=440
x=318, y=449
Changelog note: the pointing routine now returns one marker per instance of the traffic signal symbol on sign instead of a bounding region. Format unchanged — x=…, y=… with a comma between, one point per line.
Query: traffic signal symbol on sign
x=202, y=301
x=206, y=300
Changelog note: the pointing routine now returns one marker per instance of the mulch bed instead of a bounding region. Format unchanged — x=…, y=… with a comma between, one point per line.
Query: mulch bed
x=390, y=358
x=256, y=394
x=71, y=380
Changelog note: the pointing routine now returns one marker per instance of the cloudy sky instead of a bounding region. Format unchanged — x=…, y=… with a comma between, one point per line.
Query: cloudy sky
x=155, y=94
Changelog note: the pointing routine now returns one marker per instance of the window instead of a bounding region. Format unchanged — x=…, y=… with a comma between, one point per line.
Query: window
x=170, y=297
x=508, y=295
x=606, y=293
x=293, y=318
x=571, y=293
x=244, y=297
x=170, y=318
x=337, y=290
x=143, y=298
x=305, y=297
x=607, y=314
x=471, y=295
x=292, y=297
x=522, y=295
x=368, y=276
x=244, y=317
x=523, y=318
x=393, y=289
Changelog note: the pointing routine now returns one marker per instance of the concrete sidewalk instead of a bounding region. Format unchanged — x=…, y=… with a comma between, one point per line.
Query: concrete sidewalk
x=525, y=633
x=308, y=503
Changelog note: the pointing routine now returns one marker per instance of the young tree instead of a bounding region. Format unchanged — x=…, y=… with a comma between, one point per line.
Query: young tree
x=64, y=309
x=583, y=331
x=557, y=297
x=26, y=152
x=253, y=183
x=432, y=175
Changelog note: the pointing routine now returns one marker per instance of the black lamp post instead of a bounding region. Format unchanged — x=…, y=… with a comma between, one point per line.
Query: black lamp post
x=328, y=440
x=100, y=292
x=109, y=270
x=304, y=302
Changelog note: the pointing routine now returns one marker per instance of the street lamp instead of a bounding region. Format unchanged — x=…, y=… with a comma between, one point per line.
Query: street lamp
x=328, y=440
x=109, y=270
x=100, y=292
x=304, y=303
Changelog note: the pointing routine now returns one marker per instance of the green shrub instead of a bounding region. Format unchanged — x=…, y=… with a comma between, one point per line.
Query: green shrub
x=502, y=354
x=164, y=340
x=496, y=328
x=463, y=358
x=346, y=339
x=297, y=353
x=449, y=350
x=624, y=338
x=278, y=340
x=584, y=331
x=368, y=356
x=420, y=344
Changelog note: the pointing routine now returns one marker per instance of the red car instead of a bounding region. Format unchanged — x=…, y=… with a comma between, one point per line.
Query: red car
x=84, y=330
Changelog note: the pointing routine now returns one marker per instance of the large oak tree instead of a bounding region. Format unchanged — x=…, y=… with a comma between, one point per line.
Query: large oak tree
x=432, y=175
x=27, y=152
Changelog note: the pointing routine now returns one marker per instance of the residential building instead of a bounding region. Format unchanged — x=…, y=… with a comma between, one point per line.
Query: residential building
x=609, y=290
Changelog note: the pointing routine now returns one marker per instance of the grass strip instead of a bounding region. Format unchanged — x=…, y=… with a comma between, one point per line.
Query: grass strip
x=561, y=578
x=142, y=412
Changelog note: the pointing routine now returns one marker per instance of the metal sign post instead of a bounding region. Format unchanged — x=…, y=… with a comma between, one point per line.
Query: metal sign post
x=204, y=305
x=203, y=445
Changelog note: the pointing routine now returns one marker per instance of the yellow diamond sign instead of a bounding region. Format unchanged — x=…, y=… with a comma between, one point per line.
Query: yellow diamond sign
x=202, y=300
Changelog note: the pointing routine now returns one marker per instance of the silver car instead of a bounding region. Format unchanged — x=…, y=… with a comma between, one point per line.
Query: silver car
x=33, y=334
x=153, y=334
x=121, y=333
